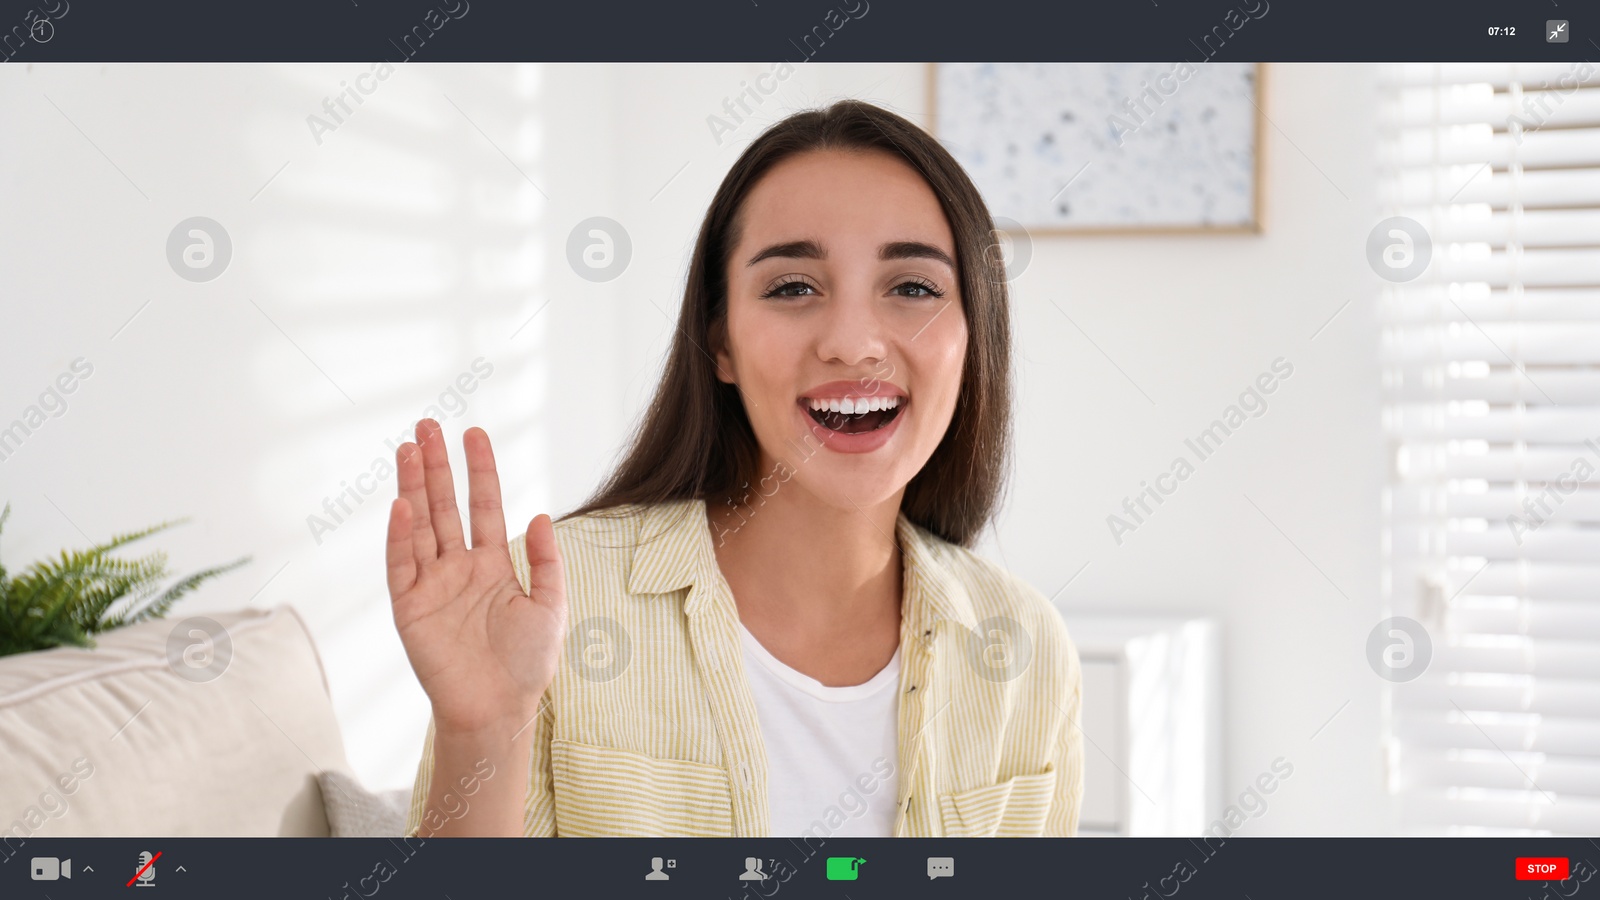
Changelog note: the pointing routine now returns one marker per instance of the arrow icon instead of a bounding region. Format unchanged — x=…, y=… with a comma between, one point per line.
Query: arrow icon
x=88, y=868
x=180, y=869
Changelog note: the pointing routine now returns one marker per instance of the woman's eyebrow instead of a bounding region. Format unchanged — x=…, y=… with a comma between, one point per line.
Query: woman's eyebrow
x=791, y=250
x=914, y=250
x=809, y=249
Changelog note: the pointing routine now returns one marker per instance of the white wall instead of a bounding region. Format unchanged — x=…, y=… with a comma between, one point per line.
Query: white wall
x=407, y=244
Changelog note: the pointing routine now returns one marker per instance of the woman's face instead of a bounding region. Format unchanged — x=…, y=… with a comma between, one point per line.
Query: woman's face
x=845, y=331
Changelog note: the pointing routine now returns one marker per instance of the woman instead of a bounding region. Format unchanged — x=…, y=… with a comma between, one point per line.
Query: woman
x=778, y=628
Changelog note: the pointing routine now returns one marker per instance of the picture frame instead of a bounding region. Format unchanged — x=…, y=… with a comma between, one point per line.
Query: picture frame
x=1015, y=126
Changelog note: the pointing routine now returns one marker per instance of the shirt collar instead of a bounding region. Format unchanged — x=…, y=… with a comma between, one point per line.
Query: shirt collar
x=929, y=580
x=673, y=538
x=675, y=547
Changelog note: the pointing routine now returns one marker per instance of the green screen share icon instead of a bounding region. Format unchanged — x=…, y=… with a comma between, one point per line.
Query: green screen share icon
x=844, y=868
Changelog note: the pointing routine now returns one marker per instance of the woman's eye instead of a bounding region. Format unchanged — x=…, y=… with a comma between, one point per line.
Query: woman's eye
x=917, y=290
x=789, y=289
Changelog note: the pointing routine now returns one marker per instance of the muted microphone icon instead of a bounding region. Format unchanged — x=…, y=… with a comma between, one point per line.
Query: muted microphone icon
x=147, y=870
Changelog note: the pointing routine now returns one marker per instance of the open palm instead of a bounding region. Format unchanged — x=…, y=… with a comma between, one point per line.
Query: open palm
x=484, y=649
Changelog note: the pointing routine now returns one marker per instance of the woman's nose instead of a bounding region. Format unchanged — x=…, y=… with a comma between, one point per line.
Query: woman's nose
x=853, y=329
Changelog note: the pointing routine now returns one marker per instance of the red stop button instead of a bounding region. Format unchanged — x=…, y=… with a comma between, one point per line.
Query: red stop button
x=1541, y=868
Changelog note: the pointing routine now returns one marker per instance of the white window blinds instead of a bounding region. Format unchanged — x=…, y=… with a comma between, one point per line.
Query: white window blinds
x=1492, y=515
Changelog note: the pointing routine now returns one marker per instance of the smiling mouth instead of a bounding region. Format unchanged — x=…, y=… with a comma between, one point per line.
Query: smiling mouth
x=846, y=417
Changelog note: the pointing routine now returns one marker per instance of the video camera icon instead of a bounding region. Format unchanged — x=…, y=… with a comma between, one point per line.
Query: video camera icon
x=50, y=868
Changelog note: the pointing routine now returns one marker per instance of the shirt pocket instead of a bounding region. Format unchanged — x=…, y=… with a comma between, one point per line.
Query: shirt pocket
x=603, y=792
x=1016, y=807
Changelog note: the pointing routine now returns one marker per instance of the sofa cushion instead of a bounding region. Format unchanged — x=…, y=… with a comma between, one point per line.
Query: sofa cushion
x=161, y=730
x=355, y=811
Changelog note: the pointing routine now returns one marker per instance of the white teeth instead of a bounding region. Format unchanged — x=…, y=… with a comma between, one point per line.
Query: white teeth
x=852, y=406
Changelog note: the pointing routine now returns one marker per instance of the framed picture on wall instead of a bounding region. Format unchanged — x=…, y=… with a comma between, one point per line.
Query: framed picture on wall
x=1107, y=147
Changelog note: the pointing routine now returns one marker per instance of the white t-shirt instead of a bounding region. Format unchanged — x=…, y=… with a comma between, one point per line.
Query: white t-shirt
x=831, y=751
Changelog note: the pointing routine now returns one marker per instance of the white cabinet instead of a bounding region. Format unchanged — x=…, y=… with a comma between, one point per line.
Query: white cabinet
x=1151, y=723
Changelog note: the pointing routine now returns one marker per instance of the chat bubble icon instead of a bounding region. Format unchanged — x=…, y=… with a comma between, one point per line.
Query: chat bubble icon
x=941, y=867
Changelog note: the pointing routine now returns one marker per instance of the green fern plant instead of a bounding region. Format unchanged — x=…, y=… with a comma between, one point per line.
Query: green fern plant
x=66, y=602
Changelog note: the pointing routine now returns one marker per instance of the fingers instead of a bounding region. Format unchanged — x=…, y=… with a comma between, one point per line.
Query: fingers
x=413, y=490
x=487, y=518
x=442, y=512
x=547, y=579
x=402, y=565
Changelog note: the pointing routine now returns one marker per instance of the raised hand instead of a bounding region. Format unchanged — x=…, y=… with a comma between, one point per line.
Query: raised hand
x=484, y=649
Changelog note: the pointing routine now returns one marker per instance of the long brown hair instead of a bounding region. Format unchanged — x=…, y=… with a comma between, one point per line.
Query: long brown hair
x=696, y=442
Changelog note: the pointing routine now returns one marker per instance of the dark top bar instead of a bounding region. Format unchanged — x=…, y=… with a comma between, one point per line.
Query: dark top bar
x=795, y=30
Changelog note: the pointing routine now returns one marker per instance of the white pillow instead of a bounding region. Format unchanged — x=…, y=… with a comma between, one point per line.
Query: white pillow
x=354, y=811
x=121, y=740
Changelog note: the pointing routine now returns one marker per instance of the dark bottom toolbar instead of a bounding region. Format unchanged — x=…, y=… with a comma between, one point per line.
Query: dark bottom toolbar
x=748, y=869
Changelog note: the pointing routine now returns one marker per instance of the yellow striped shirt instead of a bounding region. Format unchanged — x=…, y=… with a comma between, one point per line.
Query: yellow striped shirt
x=649, y=728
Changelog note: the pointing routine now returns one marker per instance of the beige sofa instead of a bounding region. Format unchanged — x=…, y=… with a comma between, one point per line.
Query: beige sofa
x=121, y=740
